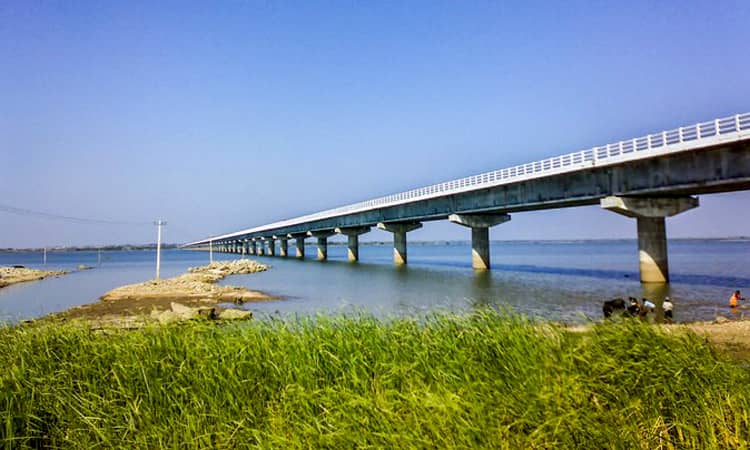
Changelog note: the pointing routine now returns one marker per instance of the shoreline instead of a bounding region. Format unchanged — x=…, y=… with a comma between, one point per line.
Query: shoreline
x=192, y=295
x=14, y=275
x=195, y=295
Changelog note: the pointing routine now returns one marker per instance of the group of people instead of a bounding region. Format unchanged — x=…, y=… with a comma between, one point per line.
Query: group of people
x=637, y=308
x=641, y=308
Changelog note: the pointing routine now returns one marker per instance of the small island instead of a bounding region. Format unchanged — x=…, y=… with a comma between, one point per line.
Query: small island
x=193, y=295
x=20, y=274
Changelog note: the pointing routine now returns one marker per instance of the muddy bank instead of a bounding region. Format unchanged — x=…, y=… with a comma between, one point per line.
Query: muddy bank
x=13, y=275
x=193, y=295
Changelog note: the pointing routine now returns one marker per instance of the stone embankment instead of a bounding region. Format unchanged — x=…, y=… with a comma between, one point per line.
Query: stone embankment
x=13, y=275
x=193, y=295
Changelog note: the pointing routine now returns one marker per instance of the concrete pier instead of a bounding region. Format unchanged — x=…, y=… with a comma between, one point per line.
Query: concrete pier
x=480, y=235
x=283, y=247
x=261, y=245
x=322, y=237
x=399, y=231
x=271, y=247
x=251, y=244
x=352, y=235
x=299, y=244
x=652, y=235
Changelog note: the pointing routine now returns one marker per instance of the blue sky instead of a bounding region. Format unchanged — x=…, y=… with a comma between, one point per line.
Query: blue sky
x=218, y=116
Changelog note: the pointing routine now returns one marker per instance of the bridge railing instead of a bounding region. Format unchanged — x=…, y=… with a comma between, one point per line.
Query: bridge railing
x=665, y=142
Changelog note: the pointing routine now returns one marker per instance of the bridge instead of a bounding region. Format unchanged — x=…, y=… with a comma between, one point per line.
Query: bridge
x=647, y=178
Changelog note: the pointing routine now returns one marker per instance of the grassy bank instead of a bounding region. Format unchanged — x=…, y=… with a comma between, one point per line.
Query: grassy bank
x=484, y=380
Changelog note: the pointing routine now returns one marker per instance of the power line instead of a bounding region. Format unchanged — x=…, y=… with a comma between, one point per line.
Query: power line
x=45, y=215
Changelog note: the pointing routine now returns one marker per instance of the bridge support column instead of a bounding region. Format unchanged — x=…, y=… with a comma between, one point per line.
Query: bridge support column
x=283, y=247
x=352, y=235
x=480, y=235
x=260, y=251
x=251, y=246
x=271, y=247
x=244, y=248
x=399, y=231
x=322, y=237
x=299, y=245
x=652, y=235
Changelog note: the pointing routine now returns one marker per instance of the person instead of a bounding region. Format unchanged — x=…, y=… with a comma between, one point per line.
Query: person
x=668, y=306
x=635, y=308
x=647, y=306
x=734, y=300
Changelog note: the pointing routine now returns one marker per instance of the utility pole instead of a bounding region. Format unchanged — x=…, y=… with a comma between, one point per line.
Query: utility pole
x=211, y=251
x=159, y=224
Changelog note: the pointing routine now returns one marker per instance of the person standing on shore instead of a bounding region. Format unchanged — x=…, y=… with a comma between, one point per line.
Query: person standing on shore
x=667, y=306
x=734, y=300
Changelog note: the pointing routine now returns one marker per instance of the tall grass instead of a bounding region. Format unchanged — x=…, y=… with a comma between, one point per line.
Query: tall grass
x=482, y=380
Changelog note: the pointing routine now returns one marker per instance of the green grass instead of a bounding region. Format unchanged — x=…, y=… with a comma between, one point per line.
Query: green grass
x=481, y=380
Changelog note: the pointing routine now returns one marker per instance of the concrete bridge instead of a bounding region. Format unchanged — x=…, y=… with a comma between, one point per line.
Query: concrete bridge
x=647, y=178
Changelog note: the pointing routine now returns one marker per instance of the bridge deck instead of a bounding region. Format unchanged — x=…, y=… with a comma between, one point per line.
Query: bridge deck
x=707, y=157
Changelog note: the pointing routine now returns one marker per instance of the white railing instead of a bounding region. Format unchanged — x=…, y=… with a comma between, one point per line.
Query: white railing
x=703, y=134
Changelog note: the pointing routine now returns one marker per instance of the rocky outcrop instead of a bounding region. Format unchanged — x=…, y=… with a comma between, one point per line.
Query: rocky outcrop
x=13, y=275
x=179, y=313
x=191, y=296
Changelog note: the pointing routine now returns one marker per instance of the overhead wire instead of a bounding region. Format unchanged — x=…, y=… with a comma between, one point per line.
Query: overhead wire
x=81, y=220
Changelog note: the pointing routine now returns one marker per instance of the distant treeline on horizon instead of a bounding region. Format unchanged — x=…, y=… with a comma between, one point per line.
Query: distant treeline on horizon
x=91, y=248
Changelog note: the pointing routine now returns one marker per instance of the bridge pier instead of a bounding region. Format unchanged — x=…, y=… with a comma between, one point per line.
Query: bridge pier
x=271, y=247
x=399, y=231
x=480, y=235
x=299, y=244
x=650, y=213
x=322, y=237
x=352, y=235
x=283, y=247
x=251, y=246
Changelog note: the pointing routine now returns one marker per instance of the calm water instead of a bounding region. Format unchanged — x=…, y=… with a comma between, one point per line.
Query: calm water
x=556, y=280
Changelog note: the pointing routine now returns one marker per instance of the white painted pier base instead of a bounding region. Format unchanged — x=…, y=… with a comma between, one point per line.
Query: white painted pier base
x=652, y=235
x=322, y=237
x=399, y=231
x=299, y=245
x=480, y=235
x=352, y=235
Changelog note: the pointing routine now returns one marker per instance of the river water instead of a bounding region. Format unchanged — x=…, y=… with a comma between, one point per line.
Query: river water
x=556, y=280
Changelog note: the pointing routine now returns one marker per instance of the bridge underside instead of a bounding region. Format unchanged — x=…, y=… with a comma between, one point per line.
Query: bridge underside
x=711, y=170
x=722, y=168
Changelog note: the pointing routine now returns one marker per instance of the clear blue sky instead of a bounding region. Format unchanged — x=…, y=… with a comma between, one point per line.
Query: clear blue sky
x=218, y=116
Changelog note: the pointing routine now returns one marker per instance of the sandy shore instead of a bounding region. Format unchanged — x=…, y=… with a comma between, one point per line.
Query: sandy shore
x=191, y=295
x=731, y=336
x=13, y=275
